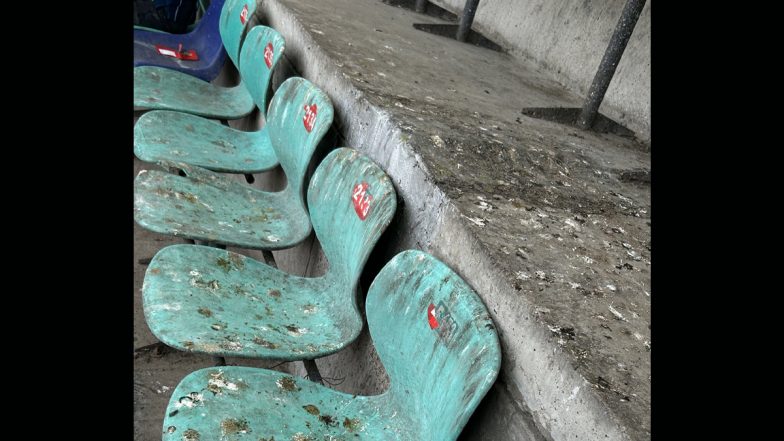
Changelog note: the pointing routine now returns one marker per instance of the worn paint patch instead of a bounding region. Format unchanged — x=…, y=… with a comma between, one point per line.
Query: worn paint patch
x=328, y=420
x=218, y=382
x=191, y=435
x=361, y=199
x=264, y=343
x=310, y=117
x=269, y=53
x=351, y=424
x=230, y=426
x=211, y=285
x=295, y=330
x=231, y=346
x=287, y=383
x=188, y=401
x=224, y=264
x=238, y=260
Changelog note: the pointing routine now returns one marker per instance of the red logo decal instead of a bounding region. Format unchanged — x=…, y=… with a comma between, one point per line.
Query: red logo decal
x=244, y=15
x=268, y=54
x=431, y=316
x=361, y=199
x=177, y=53
x=310, y=117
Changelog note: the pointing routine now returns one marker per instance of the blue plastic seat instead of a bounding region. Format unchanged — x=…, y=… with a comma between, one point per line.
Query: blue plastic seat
x=163, y=135
x=213, y=301
x=204, y=40
x=434, y=337
x=209, y=207
x=163, y=88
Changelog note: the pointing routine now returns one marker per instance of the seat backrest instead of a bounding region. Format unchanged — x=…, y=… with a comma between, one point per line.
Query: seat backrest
x=208, y=30
x=299, y=116
x=260, y=52
x=436, y=340
x=235, y=16
x=351, y=202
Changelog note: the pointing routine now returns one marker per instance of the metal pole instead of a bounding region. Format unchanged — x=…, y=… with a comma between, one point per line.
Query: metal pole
x=313, y=373
x=420, y=6
x=601, y=81
x=466, y=20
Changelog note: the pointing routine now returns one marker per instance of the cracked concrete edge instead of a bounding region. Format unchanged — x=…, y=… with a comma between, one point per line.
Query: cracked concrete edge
x=539, y=376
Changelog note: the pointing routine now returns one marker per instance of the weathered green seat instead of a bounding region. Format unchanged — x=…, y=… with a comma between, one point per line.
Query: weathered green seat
x=434, y=337
x=212, y=301
x=161, y=88
x=176, y=136
x=210, y=207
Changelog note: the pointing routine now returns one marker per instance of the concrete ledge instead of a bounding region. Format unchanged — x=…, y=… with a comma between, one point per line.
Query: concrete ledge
x=549, y=225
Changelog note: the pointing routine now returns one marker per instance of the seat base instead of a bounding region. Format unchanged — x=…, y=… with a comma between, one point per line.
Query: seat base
x=213, y=301
x=167, y=89
x=175, y=136
x=243, y=403
x=209, y=207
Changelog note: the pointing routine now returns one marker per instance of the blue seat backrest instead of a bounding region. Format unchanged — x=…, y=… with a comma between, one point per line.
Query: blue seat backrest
x=235, y=16
x=351, y=202
x=208, y=31
x=436, y=340
x=299, y=116
x=261, y=51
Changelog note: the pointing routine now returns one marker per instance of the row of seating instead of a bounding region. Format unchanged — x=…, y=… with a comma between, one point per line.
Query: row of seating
x=433, y=335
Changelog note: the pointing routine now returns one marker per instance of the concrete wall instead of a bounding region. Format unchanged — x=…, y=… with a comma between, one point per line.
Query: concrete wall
x=568, y=38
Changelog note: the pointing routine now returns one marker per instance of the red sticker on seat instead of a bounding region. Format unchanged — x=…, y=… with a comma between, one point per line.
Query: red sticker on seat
x=361, y=199
x=431, y=316
x=310, y=117
x=268, y=54
x=244, y=14
x=177, y=53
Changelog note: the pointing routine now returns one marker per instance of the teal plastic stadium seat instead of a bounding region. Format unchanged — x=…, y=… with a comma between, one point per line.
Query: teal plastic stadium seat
x=212, y=301
x=162, y=135
x=167, y=89
x=434, y=336
x=210, y=207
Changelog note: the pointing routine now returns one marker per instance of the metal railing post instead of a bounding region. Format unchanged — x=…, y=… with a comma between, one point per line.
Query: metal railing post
x=466, y=20
x=612, y=56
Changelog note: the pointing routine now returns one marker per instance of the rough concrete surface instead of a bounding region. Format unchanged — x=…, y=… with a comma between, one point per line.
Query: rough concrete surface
x=568, y=39
x=549, y=224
